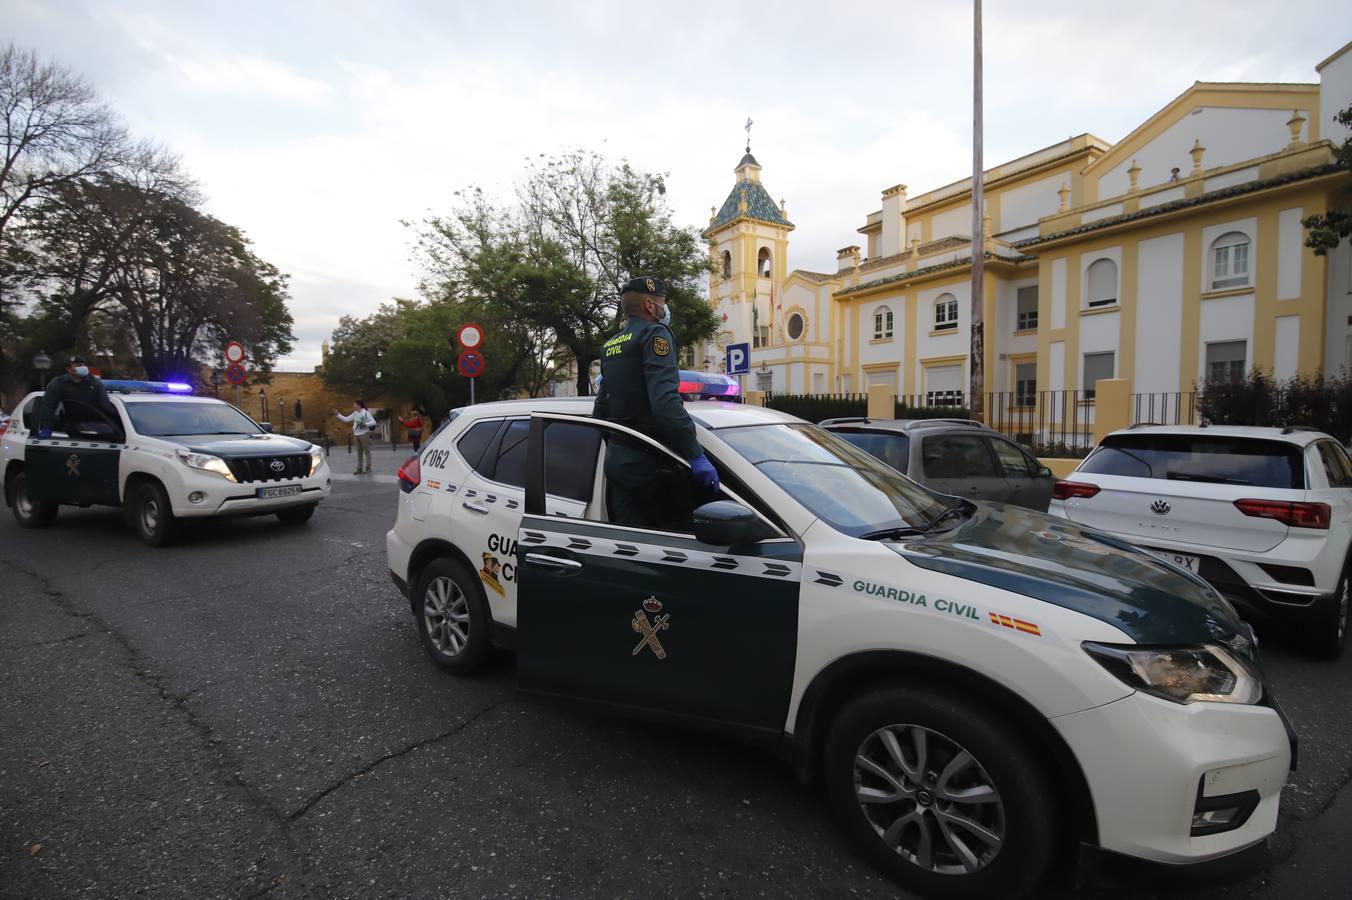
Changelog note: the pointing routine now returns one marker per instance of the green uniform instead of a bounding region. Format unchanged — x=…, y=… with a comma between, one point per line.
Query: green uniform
x=640, y=388
x=81, y=401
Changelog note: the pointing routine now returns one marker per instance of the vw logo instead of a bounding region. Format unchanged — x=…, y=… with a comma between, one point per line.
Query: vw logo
x=1160, y=507
x=278, y=466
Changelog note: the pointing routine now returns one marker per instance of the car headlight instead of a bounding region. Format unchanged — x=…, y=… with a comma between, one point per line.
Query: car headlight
x=316, y=458
x=1207, y=673
x=206, y=463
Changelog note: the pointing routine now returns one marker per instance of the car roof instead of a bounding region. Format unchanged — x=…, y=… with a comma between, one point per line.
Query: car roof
x=711, y=414
x=152, y=397
x=902, y=424
x=1298, y=435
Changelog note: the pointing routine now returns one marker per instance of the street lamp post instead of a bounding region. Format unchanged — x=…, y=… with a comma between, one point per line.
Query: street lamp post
x=42, y=362
x=263, y=404
x=281, y=409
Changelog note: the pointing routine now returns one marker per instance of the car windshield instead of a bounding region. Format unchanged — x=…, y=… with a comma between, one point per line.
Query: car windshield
x=171, y=418
x=892, y=448
x=852, y=491
x=1220, y=459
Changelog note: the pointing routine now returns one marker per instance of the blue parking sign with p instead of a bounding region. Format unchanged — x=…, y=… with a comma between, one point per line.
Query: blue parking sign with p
x=739, y=359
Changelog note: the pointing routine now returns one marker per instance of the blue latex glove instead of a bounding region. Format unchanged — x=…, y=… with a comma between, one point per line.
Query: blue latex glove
x=704, y=473
x=44, y=433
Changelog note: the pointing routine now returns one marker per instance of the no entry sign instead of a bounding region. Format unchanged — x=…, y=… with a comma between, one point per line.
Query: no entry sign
x=470, y=336
x=234, y=353
x=470, y=364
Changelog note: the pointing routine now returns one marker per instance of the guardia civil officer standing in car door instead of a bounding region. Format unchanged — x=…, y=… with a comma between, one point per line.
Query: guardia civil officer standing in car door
x=73, y=397
x=640, y=388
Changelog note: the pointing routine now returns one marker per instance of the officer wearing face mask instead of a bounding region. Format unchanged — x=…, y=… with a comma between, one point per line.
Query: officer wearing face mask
x=640, y=388
x=77, y=394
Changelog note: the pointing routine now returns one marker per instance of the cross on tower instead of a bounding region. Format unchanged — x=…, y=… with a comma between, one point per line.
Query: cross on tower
x=749, y=123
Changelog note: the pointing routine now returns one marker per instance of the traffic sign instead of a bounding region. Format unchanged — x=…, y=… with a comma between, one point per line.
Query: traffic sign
x=234, y=353
x=739, y=359
x=236, y=373
x=470, y=336
x=470, y=364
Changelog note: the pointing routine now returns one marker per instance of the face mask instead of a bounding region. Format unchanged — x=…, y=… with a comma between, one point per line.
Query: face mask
x=666, y=315
x=82, y=371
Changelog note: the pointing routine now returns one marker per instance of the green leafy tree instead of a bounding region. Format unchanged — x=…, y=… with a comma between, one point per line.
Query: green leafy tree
x=555, y=260
x=1324, y=232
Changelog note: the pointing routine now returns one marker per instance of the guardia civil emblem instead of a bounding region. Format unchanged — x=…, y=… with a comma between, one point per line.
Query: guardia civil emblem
x=649, y=629
x=661, y=346
x=652, y=285
x=73, y=465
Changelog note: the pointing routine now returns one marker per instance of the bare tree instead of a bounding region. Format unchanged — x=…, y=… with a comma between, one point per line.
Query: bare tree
x=56, y=130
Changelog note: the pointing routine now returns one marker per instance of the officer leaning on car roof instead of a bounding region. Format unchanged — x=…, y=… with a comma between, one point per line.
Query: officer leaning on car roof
x=72, y=394
x=640, y=388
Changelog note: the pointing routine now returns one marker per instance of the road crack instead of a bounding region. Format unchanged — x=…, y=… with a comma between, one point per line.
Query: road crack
x=396, y=754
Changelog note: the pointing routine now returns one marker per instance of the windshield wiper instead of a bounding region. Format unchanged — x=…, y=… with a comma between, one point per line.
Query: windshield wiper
x=895, y=532
x=941, y=515
x=1208, y=479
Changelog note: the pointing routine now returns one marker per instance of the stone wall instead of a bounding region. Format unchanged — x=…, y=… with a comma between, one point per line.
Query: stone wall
x=317, y=402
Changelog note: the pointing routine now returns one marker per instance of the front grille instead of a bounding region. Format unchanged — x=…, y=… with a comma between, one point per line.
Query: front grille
x=260, y=468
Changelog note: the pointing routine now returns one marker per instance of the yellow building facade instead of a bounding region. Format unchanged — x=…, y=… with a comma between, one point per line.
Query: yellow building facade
x=1173, y=256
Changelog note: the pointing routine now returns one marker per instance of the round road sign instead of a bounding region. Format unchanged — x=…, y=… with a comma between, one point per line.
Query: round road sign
x=234, y=353
x=236, y=374
x=470, y=336
x=470, y=364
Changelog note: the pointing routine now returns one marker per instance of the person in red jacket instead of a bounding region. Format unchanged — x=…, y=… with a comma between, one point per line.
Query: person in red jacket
x=414, y=425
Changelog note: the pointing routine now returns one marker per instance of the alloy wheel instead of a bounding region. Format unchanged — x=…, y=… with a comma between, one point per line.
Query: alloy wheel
x=22, y=504
x=150, y=515
x=446, y=616
x=929, y=800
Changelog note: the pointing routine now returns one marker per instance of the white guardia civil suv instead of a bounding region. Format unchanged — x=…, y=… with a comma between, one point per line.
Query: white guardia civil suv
x=978, y=685
x=166, y=456
x=1263, y=514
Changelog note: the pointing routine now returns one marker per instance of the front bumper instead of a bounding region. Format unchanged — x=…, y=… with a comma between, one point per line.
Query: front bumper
x=220, y=497
x=1151, y=765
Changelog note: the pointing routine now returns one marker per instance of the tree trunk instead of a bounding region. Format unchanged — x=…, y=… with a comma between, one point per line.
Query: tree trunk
x=583, y=376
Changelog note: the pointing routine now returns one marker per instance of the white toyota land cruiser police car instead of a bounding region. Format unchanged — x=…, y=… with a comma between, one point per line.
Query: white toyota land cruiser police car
x=169, y=455
x=977, y=684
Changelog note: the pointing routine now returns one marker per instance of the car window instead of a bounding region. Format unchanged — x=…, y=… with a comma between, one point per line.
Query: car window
x=1336, y=464
x=570, y=460
x=1013, y=460
x=170, y=419
x=672, y=499
x=475, y=441
x=1219, y=459
x=893, y=449
x=511, y=465
x=30, y=414
x=956, y=456
x=851, y=490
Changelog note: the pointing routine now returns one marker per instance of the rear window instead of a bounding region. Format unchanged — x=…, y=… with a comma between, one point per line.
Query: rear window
x=1200, y=457
x=893, y=449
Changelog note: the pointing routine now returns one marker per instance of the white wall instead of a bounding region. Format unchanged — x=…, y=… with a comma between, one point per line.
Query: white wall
x=1226, y=319
x=1056, y=363
x=1230, y=136
x=1099, y=334
x=949, y=343
x=884, y=351
x=1290, y=245
x=1059, y=293
x=955, y=221
x=1026, y=204
x=1335, y=93
x=1169, y=195
x=1006, y=317
x=1287, y=357
x=1229, y=179
x=1159, y=312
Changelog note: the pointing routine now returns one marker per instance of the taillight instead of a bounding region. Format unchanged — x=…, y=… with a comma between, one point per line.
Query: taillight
x=1294, y=515
x=1064, y=490
x=410, y=475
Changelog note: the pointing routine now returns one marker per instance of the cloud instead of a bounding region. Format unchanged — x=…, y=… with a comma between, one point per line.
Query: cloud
x=249, y=76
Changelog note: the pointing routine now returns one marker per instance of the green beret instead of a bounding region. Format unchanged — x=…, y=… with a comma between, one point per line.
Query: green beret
x=645, y=284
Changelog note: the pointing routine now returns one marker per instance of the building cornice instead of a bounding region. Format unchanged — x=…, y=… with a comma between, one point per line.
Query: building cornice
x=903, y=280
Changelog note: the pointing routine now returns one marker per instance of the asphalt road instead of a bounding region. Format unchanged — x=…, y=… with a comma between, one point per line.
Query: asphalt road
x=250, y=712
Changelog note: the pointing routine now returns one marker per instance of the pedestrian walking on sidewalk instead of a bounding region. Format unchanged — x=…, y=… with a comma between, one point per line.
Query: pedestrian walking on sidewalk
x=414, y=425
x=362, y=425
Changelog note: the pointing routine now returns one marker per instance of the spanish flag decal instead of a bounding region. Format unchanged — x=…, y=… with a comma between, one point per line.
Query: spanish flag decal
x=1016, y=624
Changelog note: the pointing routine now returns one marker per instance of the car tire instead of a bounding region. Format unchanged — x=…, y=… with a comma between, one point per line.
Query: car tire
x=992, y=835
x=1327, y=638
x=296, y=515
x=30, y=513
x=152, y=516
x=452, y=616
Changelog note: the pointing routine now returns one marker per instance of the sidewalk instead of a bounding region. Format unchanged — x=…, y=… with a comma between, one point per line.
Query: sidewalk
x=385, y=462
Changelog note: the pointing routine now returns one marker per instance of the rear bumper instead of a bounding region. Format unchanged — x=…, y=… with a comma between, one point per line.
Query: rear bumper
x=398, y=553
x=1152, y=765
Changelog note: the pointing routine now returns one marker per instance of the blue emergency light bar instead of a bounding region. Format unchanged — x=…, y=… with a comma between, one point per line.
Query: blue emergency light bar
x=708, y=385
x=147, y=387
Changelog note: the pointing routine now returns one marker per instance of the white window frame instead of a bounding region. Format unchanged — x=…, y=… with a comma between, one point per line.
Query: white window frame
x=1091, y=301
x=1030, y=323
x=760, y=336
x=1225, y=259
x=1232, y=377
x=882, y=323
x=942, y=322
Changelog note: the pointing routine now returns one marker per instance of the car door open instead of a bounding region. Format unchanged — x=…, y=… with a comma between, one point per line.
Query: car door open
x=658, y=620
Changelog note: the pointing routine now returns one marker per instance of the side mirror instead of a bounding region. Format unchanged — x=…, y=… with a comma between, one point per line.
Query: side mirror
x=1044, y=472
x=266, y=426
x=726, y=524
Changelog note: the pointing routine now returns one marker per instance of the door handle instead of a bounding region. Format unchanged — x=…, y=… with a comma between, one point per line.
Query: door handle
x=475, y=507
x=541, y=559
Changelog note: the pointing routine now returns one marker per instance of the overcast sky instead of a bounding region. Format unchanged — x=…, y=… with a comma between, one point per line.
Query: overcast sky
x=317, y=126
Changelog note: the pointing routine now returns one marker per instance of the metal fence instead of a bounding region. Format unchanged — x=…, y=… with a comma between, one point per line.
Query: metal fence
x=1047, y=423
x=1165, y=408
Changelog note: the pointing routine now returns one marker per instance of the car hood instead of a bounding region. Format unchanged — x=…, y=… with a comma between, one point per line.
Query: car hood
x=1080, y=569
x=236, y=445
